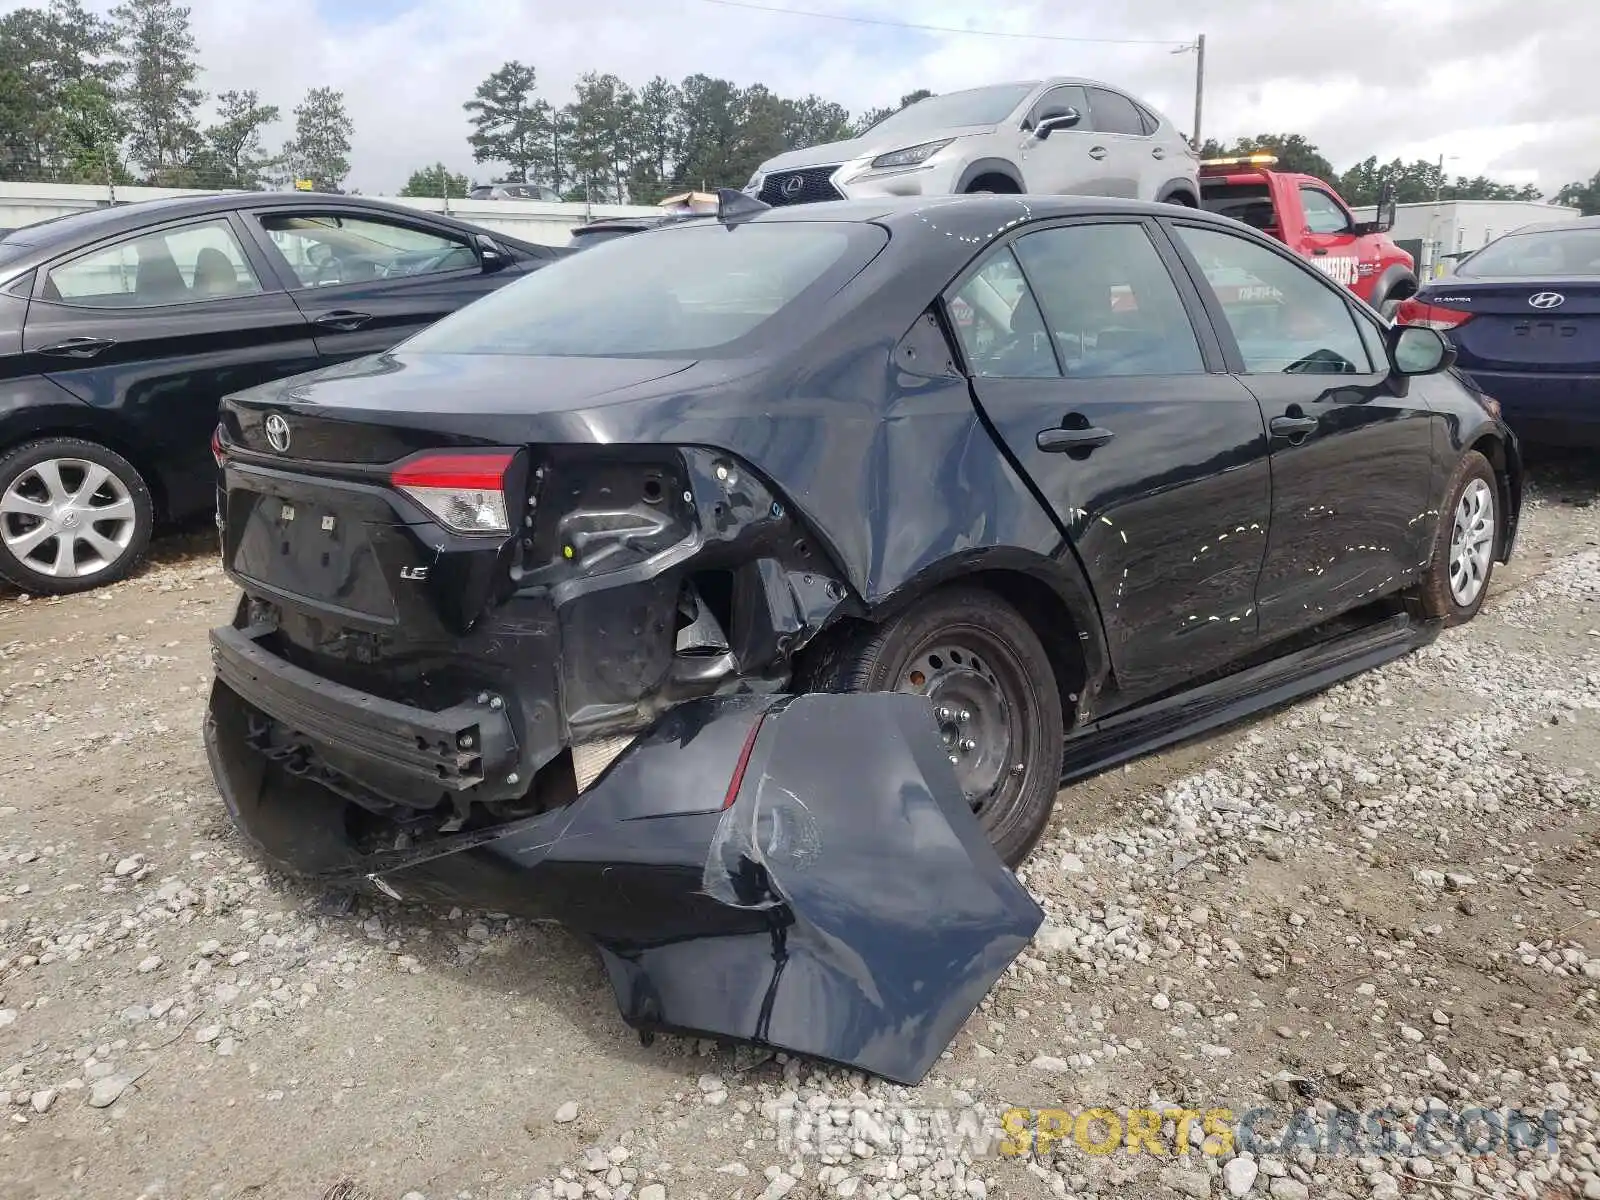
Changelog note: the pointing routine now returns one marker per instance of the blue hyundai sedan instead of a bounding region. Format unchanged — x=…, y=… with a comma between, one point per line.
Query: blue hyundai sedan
x=1524, y=316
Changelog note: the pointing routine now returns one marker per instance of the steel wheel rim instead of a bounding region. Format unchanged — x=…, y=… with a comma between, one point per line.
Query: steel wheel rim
x=67, y=518
x=1471, y=542
x=975, y=684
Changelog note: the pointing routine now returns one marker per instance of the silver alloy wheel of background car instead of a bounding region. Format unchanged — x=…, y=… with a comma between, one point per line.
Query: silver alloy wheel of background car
x=58, y=507
x=1472, y=542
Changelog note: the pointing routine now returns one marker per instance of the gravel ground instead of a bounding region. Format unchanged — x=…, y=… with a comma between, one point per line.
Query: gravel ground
x=1383, y=898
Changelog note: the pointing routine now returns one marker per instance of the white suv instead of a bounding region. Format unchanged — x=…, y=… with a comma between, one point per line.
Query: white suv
x=1061, y=135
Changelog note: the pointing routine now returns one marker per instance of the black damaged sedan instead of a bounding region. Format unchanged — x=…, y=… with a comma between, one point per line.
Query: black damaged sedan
x=712, y=590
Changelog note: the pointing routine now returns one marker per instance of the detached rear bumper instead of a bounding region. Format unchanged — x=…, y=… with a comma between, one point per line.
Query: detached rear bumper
x=798, y=871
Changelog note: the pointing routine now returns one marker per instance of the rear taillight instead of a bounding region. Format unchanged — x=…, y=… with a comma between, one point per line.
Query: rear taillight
x=1433, y=316
x=216, y=446
x=465, y=492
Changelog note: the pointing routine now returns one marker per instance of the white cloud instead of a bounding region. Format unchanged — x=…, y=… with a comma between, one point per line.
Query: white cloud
x=1496, y=85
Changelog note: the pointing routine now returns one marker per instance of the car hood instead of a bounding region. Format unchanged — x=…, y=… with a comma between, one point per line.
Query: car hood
x=868, y=145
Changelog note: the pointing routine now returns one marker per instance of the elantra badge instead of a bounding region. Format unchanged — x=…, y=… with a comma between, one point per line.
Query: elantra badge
x=1547, y=300
x=277, y=430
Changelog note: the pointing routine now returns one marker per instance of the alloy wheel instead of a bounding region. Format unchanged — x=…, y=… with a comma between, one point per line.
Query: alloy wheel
x=67, y=518
x=1472, y=542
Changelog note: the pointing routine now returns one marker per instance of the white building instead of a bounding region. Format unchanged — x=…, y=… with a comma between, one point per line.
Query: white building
x=1435, y=233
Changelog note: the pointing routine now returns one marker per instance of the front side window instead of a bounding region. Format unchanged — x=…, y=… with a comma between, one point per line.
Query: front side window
x=1055, y=100
x=1114, y=113
x=172, y=266
x=1323, y=214
x=681, y=290
x=1109, y=302
x=328, y=249
x=997, y=319
x=1281, y=314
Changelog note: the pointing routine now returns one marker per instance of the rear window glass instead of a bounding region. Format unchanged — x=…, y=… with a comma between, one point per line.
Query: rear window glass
x=1546, y=252
x=1247, y=202
x=696, y=290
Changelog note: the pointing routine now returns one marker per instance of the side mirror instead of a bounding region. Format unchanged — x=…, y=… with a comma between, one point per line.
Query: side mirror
x=1053, y=119
x=490, y=255
x=1419, y=350
x=1385, y=216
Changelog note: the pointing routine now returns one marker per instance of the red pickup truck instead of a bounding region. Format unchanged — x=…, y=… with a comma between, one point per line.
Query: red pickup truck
x=1312, y=219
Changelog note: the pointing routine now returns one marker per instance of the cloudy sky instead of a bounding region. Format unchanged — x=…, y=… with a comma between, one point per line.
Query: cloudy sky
x=1497, y=86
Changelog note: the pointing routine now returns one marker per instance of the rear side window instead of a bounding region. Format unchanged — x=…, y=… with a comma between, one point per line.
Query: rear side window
x=997, y=319
x=1109, y=301
x=691, y=290
x=1114, y=113
x=173, y=266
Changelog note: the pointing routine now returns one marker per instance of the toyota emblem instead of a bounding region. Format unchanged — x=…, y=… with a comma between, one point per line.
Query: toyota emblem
x=1547, y=300
x=277, y=433
x=793, y=184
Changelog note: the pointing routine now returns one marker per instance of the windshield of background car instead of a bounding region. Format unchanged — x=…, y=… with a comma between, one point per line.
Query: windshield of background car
x=703, y=290
x=980, y=106
x=1546, y=252
x=1247, y=202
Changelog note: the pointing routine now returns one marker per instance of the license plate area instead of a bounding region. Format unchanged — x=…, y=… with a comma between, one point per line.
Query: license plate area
x=310, y=545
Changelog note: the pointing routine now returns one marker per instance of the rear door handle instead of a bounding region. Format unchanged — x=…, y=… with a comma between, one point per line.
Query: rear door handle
x=342, y=319
x=1293, y=425
x=1158, y=152
x=78, y=347
x=1060, y=441
x=1097, y=153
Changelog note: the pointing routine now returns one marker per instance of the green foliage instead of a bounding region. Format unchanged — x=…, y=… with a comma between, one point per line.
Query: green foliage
x=437, y=182
x=320, y=148
x=157, y=53
x=509, y=125
x=1585, y=196
x=234, y=141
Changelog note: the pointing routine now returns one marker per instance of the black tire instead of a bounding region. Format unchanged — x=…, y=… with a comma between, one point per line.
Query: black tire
x=998, y=657
x=117, y=543
x=1435, y=597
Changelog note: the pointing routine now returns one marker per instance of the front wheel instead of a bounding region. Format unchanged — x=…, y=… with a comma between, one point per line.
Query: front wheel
x=1465, y=545
x=73, y=515
x=989, y=681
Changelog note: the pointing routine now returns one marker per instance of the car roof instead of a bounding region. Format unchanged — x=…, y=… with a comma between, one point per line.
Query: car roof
x=1553, y=226
x=92, y=224
x=977, y=210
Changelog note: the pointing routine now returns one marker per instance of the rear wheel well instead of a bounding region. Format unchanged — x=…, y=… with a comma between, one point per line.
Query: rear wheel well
x=1493, y=449
x=88, y=433
x=1045, y=612
x=994, y=182
x=1182, y=198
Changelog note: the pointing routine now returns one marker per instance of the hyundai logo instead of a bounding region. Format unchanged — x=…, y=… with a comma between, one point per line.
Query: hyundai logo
x=277, y=433
x=1547, y=300
x=793, y=184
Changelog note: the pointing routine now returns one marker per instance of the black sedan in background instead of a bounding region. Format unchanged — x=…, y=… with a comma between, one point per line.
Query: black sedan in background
x=121, y=329
x=1524, y=316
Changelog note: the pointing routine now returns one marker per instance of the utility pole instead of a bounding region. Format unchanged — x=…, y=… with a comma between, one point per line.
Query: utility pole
x=1199, y=48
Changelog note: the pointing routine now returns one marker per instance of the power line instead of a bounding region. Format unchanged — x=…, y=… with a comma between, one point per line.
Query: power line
x=993, y=33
